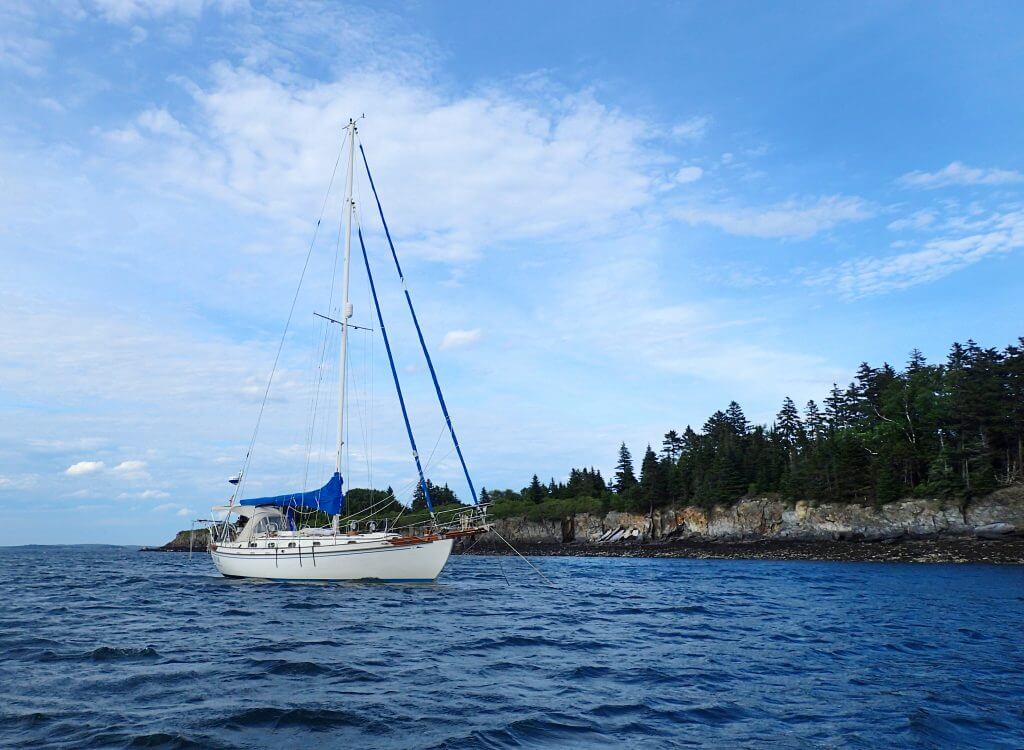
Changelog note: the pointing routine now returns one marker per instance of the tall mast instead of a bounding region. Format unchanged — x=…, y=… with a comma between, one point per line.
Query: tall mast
x=346, y=306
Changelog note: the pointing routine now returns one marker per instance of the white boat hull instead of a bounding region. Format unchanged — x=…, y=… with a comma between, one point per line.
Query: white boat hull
x=336, y=561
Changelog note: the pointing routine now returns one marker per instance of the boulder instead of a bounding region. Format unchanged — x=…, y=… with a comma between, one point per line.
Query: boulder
x=994, y=530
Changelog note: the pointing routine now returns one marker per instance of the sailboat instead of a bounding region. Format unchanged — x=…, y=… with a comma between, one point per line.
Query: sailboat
x=272, y=537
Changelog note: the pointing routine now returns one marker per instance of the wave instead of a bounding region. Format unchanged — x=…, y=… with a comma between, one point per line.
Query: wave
x=166, y=741
x=300, y=668
x=540, y=731
x=629, y=653
x=311, y=719
x=119, y=653
x=535, y=641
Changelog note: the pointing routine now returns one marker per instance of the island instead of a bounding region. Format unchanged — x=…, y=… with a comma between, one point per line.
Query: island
x=925, y=463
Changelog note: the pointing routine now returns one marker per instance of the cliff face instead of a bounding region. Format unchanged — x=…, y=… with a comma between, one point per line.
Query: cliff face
x=767, y=518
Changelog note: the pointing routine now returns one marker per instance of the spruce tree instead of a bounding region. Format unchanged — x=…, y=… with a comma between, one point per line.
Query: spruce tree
x=787, y=423
x=654, y=486
x=814, y=421
x=536, y=492
x=736, y=419
x=625, y=479
x=672, y=445
x=948, y=430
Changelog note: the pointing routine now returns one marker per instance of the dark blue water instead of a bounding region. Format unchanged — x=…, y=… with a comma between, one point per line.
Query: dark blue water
x=109, y=647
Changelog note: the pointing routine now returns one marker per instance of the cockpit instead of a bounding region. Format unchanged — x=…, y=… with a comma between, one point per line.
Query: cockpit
x=269, y=525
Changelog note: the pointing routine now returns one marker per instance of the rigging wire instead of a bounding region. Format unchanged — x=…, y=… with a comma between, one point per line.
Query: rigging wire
x=367, y=410
x=320, y=345
x=535, y=568
x=394, y=375
x=291, y=311
x=326, y=338
x=419, y=332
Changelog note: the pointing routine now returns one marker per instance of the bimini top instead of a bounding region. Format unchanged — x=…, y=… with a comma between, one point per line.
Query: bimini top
x=229, y=509
x=327, y=499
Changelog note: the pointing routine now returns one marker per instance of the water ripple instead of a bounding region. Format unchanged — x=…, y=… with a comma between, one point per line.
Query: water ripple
x=108, y=647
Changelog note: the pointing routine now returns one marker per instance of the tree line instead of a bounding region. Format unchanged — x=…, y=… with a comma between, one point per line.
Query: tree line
x=951, y=430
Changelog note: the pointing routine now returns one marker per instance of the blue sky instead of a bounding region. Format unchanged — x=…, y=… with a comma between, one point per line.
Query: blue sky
x=614, y=219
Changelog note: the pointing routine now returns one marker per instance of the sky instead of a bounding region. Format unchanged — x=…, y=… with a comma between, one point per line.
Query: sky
x=613, y=218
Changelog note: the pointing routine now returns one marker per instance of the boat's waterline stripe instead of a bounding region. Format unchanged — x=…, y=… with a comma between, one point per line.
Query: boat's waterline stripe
x=289, y=555
x=347, y=580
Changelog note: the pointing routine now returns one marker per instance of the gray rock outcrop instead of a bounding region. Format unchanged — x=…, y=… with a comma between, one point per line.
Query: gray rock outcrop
x=995, y=516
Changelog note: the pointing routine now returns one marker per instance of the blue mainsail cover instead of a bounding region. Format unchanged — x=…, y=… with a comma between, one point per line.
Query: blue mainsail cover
x=327, y=499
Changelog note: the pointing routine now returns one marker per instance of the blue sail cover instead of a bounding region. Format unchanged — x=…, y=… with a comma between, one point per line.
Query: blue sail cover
x=327, y=499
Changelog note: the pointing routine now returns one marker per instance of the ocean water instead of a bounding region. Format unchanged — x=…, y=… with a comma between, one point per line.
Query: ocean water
x=110, y=647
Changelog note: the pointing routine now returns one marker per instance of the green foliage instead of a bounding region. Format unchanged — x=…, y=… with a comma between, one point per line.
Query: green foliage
x=439, y=496
x=358, y=499
x=625, y=479
x=552, y=509
x=952, y=431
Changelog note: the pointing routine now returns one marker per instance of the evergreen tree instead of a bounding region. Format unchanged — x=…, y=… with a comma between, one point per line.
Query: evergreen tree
x=654, y=486
x=788, y=426
x=814, y=421
x=536, y=492
x=672, y=445
x=736, y=420
x=439, y=496
x=419, y=497
x=625, y=479
x=952, y=430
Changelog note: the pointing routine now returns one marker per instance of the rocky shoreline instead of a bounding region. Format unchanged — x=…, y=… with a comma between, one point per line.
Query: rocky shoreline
x=182, y=542
x=1007, y=551
x=988, y=530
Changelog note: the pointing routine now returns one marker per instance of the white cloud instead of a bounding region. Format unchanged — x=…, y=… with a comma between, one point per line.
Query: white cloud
x=154, y=495
x=527, y=168
x=938, y=258
x=457, y=339
x=695, y=339
x=22, y=52
x=178, y=509
x=133, y=470
x=797, y=219
x=84, y=467
x=160, y=122
x=142, y=362
x=693, y=129
x=958, y=173
x=67, y=445
x=52, y=104
x=129, y=467
x=22, y=482
x=125, y=11
x=916, y=220
x=689, y=174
